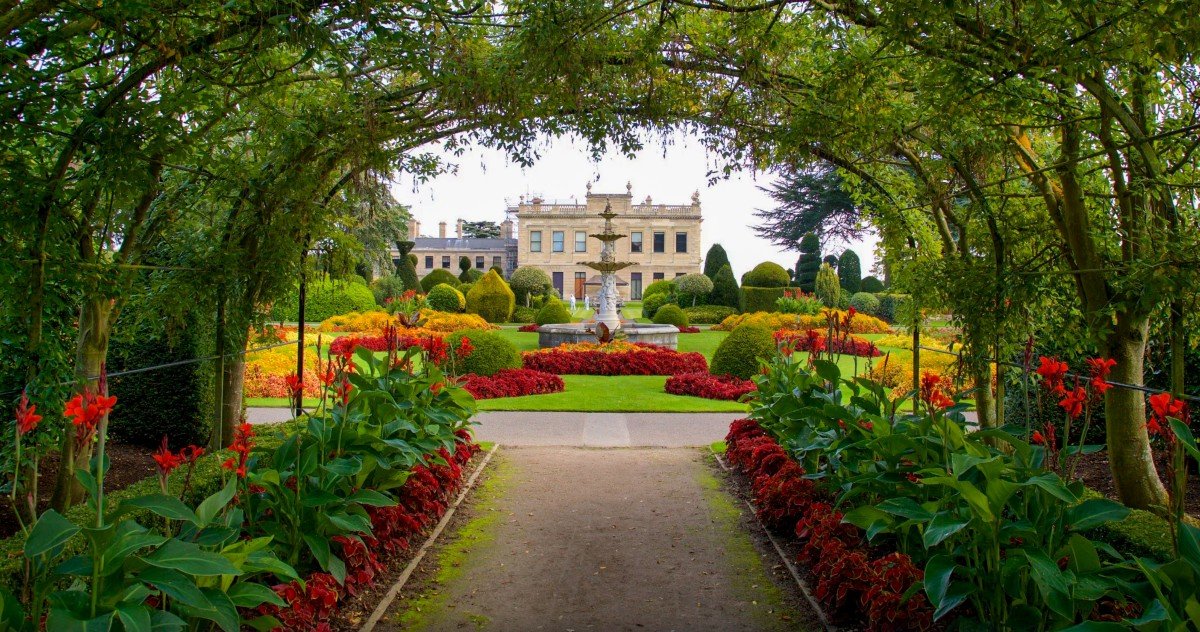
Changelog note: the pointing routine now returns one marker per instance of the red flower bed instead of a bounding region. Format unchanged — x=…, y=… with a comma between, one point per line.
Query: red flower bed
x=709, y=386
x=528, y=328
x=688, y=330
x=423, y=499
x=640, y=360
x=512, y=383
x=852, y=579
x=806, y=340
x=434, y=346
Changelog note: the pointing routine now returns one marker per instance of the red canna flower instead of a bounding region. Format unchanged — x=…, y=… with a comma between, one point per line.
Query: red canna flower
x=241, y=446
x=1037, y=438
x=27, y=417
x=86, y=410
x=436, y=387
x=464, y=347
x=1100, y=368
x=931, y=391
x=328, y=376
x=191, y=453
x=1162, y=406
x=295, y=384
x=343, y=391
x=1074, y=401
x=1053, y=371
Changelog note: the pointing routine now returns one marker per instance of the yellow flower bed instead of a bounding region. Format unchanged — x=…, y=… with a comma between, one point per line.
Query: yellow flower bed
x=446, y=322
x=280, y=360
x=904, y=341
x=354, y=321
x=608, y=347
x=895, y=370
x=862, y=324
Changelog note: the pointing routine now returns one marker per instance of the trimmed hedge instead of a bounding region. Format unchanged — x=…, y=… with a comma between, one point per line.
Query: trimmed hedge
x=866, y=303
x=491, y=298
x=761, y=299
x=708, y=314
x=439, y=276
x=522, y=314
x=446, y=298
x=767, y=274
x=490, y=352
x=324, y=299
x=553, y=313
x=725, y=290
x=738, y=353
x=651, y=304
x=871, y=284
x=671, y=314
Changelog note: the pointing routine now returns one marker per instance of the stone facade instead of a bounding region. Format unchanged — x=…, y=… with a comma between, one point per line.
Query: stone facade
x=444, y=252
x=662, y=239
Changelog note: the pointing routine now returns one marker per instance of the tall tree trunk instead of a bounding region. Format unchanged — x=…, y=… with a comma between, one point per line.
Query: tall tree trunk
x=95, y=326
x=1129, y=452
x=985, y=400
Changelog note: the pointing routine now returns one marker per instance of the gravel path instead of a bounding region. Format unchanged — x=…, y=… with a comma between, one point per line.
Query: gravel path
x=588, y=539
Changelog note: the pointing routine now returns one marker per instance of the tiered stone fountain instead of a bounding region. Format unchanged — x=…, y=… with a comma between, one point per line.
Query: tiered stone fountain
x=606, y=303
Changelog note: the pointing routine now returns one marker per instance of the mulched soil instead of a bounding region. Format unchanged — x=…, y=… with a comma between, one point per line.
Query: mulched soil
x=1095, y=472
x=130, y=464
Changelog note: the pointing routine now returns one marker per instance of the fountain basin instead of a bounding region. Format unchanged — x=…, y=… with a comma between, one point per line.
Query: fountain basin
x=661, y=335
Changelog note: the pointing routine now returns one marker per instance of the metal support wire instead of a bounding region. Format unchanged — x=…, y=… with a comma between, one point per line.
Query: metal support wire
x=1132, y=387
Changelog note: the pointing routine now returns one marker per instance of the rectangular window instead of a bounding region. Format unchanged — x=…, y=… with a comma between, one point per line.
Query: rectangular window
x=635, y=286
x=660, y=242
x=679, y=274
x=658, y=276
x=479, y=262
x=496, y=261
x=580, y=241
x=535, y=241
x=429, y=262
x=446, y=261
x=557, y=239
x=680, y=242
x=635, y=241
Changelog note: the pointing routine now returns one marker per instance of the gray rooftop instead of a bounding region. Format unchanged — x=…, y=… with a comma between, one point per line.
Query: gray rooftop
x=454, y=243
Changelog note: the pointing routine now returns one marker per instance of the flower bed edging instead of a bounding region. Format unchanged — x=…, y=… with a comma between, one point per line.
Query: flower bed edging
x=850, y=577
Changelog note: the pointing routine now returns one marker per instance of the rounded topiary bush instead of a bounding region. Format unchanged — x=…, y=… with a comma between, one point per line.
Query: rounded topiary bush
x=693, y=289
x=491, y=298
x=739, y=352
x=490, y=352
x=661, y=286
x=446, y=298
x=651, y=304
x=871, y=284
x=553, y=313
x=767, y=274
x=528, y=281
x=866, y=303
x=438, y=276
x=324, y=299
x=671, y=314
x=522, y=314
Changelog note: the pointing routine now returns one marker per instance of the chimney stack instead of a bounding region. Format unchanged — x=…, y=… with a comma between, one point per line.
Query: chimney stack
x=442, y=230
x=458, y=229
x=506, y=229
x=414, y=229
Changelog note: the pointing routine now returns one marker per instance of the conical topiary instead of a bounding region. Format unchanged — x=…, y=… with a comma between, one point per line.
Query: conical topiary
x=491, y=298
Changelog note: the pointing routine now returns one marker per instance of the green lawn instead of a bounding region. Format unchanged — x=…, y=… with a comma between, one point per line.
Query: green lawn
x=624, y=393
x=705, y=342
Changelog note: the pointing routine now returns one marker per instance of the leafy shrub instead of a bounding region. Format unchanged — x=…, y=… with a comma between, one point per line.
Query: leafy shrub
x=174, y=401
x=767, y=274
x=895, y=307
x=490, y=352
x=438, y=276
x=761, y=299
x=725, y=289
x=865, y=303
x=474, y=274
x=512, y=383
x=738, y=353
x=708, y=314
x=465, y=288
x=871, y=284
x=651, y=304
x=528, y=281
x=522, y=314
x=491, y=298
x=709, y=386
x=324, y=299
x=693, y=288
x=662, y=286
x=387, y=287
x=827, y=286
x=553, y=313
x=446, y=298
x=670, y=314
x=843, y=301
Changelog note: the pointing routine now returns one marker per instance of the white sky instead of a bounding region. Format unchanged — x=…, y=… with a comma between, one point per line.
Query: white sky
x=486, y=181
